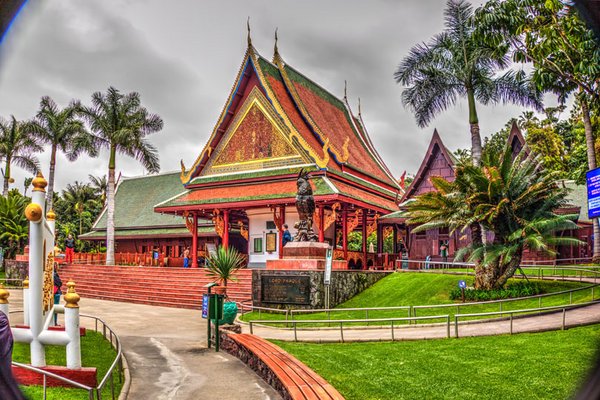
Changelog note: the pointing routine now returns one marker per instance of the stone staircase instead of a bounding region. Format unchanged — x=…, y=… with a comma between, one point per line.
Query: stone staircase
x=158, y=286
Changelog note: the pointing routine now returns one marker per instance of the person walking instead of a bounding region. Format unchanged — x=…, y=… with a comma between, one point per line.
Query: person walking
x=57, y=290
x=69, y=249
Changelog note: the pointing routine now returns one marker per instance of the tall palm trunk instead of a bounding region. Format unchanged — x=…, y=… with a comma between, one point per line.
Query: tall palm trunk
x=6, y=177
x=110, y=210
x=50, y=195
x=591, y=155
x=476, y=149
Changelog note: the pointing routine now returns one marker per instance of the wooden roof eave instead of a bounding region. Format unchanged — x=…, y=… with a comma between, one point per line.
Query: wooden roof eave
x=435, y=139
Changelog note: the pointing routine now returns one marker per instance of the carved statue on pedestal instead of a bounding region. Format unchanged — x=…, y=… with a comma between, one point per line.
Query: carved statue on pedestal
x=305, y=205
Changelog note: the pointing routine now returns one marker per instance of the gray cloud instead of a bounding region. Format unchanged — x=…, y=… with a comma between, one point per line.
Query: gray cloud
x=183, y=56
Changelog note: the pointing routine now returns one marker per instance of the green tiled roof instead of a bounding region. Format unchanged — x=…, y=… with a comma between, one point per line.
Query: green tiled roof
x=249, y=175
x=362, y=182
x=135, y=199
x=147, y=232
x=395, y=214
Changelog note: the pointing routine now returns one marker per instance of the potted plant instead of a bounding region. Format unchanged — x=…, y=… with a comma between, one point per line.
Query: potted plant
x=222, y=265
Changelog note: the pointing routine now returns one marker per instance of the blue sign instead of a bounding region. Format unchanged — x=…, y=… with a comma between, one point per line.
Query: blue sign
x=462, y=284
x=205, y=306
x=593, y=191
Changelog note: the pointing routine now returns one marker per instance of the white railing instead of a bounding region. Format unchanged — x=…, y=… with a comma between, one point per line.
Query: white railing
x=93, y=392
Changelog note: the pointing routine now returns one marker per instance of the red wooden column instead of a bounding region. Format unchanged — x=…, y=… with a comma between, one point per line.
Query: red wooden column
x=281, y=229
x=321, y=224
x=345, y=233
x=195, y=242
x=225, y=229
x=364, y=237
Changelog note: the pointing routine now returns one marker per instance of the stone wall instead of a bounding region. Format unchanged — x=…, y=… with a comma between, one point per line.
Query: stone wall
x=344, y=285
x=16, y=269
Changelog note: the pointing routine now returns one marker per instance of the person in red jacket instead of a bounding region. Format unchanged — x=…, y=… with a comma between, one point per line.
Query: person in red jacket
x=69, y=248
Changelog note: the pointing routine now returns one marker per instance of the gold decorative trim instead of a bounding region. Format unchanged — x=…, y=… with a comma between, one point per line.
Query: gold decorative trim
x=185, y=176
x=255, y=98
x=189, y=221
x=277, y=218
x=26, y=283
x=48, y=299
x=353, y=223
x=219, y=222
x=331, y=218
x=243, y=230
x=320, y=161
x=372, y=227
x=387, y=231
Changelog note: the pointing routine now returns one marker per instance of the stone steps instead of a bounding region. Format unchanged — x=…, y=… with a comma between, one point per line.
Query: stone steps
x=168, y=287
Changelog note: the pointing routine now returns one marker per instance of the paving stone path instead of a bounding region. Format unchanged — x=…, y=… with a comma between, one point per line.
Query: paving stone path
x=167, y=354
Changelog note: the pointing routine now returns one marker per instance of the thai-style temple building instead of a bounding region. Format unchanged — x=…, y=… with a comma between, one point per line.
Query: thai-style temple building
x=439, y=161
x=275, y=123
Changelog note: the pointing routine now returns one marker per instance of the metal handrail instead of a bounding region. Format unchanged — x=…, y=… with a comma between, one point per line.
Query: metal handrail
x=341, y=322
x=108, y=375
x=413, y=307
x=511, y=313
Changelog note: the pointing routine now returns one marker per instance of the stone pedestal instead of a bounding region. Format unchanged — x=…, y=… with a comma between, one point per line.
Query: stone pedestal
x=306, y=256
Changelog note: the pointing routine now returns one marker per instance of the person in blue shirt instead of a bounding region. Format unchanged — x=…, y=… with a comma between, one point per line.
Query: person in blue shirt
x=287, y=236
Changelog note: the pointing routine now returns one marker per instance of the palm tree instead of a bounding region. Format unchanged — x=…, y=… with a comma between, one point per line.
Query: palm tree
x=79, y=198
x=119, y=123
x=100, y=186
x=456, y=63
x=514, y=199
x=26, y=184
x=17, y=146
x=224, y=263
x=62, y=131
x=14, y=226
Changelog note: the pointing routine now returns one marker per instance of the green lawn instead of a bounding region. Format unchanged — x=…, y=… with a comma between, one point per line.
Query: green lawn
x=404, y=289
x=547, y=365
x=95, y=352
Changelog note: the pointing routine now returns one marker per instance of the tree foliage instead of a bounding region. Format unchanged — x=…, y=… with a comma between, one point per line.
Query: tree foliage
x=458, y=64
x=512, y=198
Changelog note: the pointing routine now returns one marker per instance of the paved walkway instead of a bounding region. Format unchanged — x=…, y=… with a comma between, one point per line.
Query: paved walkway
x=538, y=323
x=167, y=354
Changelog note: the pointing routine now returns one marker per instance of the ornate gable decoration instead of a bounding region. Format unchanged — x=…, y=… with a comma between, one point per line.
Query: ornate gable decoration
x=256, y=139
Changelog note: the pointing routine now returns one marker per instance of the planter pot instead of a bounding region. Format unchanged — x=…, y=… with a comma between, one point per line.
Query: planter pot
x=230, y=310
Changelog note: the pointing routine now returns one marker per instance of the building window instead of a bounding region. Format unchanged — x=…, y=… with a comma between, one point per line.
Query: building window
x=257, y=245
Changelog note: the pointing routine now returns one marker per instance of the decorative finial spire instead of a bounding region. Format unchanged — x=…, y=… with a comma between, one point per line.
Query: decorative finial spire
x=276, y=51
x=359, y=106
x=345, y=89
x=249, y=38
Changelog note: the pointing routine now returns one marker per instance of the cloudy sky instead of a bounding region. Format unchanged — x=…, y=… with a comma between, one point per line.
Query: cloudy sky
x=182, y=57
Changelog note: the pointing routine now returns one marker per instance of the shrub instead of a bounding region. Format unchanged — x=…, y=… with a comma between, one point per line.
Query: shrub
x=518, y=289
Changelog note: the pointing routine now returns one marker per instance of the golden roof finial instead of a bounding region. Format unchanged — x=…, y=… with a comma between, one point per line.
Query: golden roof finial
x=276, y=50
x=249, y=38
x=359, y=106
x=39, y=183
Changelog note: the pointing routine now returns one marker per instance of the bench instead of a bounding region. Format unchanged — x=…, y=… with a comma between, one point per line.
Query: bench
x=294, y=380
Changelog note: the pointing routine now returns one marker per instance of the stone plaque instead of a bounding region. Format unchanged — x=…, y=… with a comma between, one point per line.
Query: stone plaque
x=285, y=289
